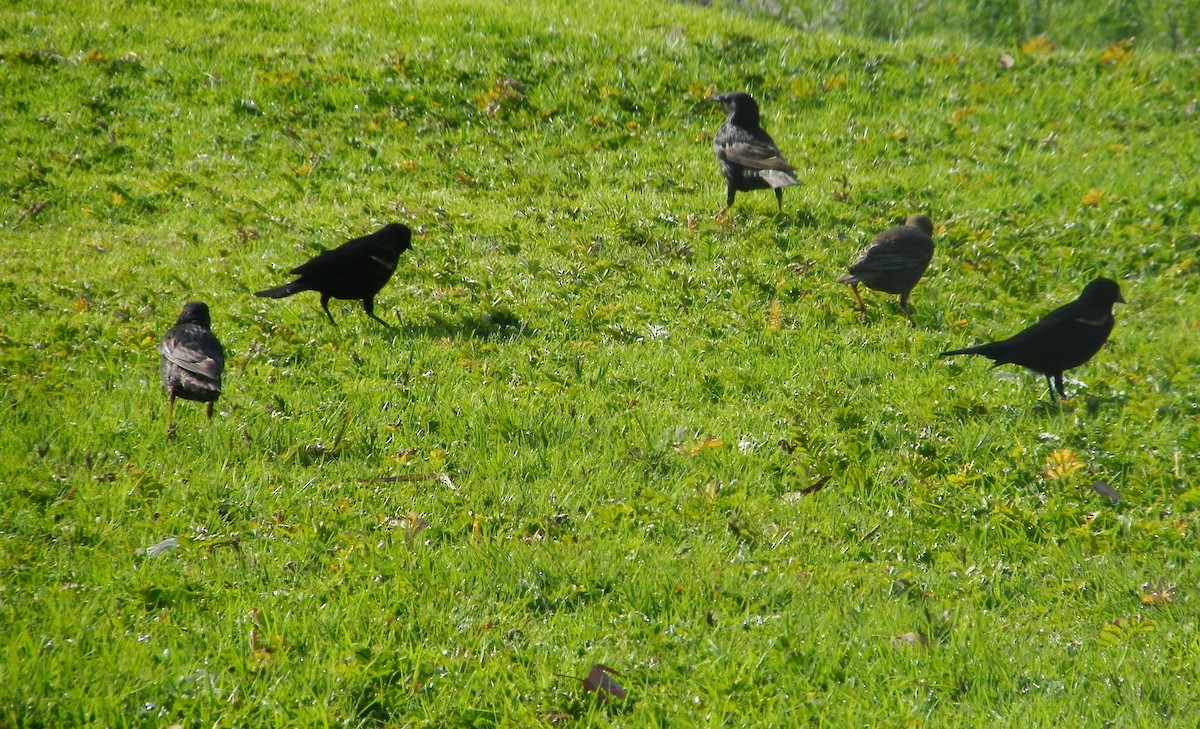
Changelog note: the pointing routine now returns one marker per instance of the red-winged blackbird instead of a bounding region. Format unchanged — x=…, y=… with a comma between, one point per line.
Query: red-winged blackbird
x=894, y=262
x=1067, y=337
x=748, y=156
x=357, y=269
x=192, y=361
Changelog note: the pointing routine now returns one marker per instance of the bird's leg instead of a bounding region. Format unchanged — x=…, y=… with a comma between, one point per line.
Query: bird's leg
x=325, y=306
x=779, y=198
x=171, y=416
x=209, y=411
x=854, y=290
x=1058, y=382
x=369, y=307
x=1050, y=384
x=730, y=193
x=905, y=310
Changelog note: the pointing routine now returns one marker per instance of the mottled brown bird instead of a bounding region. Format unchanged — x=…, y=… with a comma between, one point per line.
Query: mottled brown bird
x=1066, y=338
x=748, y=156
x=357, y=269
x=192, y=361
x=894, y=262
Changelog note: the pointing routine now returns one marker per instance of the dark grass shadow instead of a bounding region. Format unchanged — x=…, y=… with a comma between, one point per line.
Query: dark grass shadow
x=499, y=324
x=1092, y=404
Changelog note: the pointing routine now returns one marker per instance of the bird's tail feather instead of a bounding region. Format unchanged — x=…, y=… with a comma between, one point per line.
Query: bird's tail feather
x=987, y=350
x=778, y=179
x=282, y=291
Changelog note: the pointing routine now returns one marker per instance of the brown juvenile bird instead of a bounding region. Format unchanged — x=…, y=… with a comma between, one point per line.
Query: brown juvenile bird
x=192, y=361
x=894, y=262
x=1067, y=337
x=748, y=156
x=357, y=269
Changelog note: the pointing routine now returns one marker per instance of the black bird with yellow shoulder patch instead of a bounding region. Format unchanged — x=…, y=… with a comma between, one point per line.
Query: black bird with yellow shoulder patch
x=748, y=156
x=355, y=270
x=1066, y=338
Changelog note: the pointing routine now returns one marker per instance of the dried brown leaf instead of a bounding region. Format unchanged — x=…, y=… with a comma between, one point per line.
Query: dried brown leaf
x=915, y=640
x=554, y=718
x=695, y=448
x=600, y=681
x=1107, y=492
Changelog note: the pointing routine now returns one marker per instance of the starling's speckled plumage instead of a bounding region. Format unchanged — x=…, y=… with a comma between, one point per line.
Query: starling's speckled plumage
x=1066, y=338
x=894, y=261
x=355, y=270
x=192, y=361
x=748, y=156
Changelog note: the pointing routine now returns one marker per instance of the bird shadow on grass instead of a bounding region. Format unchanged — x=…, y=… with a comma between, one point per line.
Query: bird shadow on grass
x=497, y=324
x=1090, y=403
x=1095, y=403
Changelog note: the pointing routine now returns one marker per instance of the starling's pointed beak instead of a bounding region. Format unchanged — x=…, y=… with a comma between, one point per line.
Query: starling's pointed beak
x=1120, y=299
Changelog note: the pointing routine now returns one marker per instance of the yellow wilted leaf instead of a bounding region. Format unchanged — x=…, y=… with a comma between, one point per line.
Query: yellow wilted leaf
x=504, y=93
x=301, y=170
x=118, y=200
x=413, y=524
x=1158, y=595
x=963, y=113
x=775, y=316
x=1117, y=53
x=81, y=303
x=697, y=447
x=834, y=82
x=1092, y=197
x=1061, y=464
x=802, y=88
x=700, y=92
x=1037, y=46
x=409, y=166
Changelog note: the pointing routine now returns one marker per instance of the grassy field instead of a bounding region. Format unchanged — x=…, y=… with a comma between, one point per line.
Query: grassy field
x=1074, y=24
x=593, y=433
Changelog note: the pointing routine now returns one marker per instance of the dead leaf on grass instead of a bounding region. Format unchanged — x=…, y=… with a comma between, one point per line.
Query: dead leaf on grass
x=816, y=486
x=600, y=681
x=695, y=448
x=1107, y=492
x=912, y=640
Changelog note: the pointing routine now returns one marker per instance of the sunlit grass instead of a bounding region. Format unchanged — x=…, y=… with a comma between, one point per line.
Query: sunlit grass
x=606, y=428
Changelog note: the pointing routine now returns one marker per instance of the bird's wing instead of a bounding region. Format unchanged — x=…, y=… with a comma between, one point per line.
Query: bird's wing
x=332, y=260
x=887, y=252
x=755, y=154
x=349, y=259
x=194, y=352
x=1056, y=334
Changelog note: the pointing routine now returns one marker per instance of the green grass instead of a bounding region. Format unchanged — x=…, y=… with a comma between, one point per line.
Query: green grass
x=1073, y=24
x=575, y=334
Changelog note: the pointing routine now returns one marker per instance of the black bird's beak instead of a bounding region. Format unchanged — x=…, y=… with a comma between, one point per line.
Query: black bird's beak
x=1120, y=299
